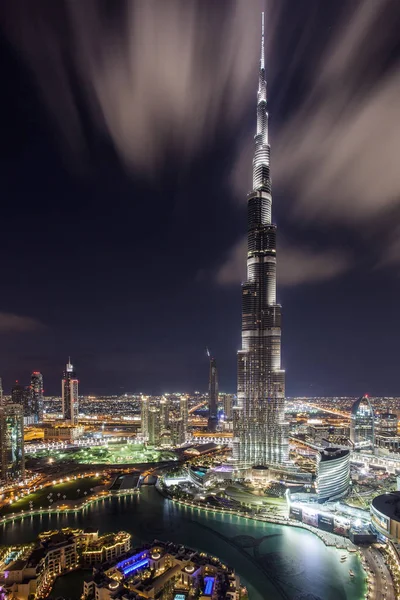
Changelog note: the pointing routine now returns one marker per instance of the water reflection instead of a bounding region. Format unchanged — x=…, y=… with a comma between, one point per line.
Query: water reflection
x=275, y=562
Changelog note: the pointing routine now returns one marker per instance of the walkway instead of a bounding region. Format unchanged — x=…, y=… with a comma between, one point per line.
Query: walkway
x=380, y=581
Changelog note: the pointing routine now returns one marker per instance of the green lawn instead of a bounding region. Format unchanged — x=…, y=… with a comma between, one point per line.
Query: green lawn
x=40, y=497
x=118, y=453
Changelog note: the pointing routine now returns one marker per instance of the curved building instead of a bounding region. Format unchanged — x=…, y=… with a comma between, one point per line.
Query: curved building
x=385, y=515
x=362, y=430
x=333, y=473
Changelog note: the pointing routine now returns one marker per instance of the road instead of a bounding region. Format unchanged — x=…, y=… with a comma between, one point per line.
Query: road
x=380, y=582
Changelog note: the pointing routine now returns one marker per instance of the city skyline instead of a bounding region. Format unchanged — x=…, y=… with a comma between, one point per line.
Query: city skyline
x=101, y=187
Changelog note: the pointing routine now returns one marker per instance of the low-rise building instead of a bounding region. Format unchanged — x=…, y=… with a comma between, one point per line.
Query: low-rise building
x=107, y=548
x=33, y=568
x=164, y=567
x=385, y=515
x=63, y=433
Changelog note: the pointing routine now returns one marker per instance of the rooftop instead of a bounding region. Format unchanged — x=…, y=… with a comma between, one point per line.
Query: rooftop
x=388, y=504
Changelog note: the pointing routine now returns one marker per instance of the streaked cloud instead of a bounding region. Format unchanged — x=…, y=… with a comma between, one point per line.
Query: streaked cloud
x=339, y=151
x=155, y=76
x=297, y=265
x=11, y=323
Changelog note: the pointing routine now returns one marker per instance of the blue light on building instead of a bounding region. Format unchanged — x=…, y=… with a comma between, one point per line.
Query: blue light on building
x=209, y=585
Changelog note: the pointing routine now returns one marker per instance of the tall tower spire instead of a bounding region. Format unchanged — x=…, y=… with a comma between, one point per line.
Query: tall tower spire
x=260, y=432
x=262, y=61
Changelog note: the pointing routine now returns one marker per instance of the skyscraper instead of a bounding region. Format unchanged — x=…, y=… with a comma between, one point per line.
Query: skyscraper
x=69, y=393
x=144, y=416
x=184, y=416
x=164, y=413
x=228, y=406
x=21, y=395
x=154, y=425
x=36, y=396
x=260, y=431
x=212, y=395
x=333, y=473
x=362, y=424
x=12, y=458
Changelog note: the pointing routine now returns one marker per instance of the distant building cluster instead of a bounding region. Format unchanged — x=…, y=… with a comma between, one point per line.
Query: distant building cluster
x=25, y=407
x=164, y=424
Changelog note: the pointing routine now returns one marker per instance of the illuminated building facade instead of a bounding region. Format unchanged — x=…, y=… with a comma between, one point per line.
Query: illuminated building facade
x=184, y=417
x=164, y=413
x=36, y=396
x=213, y=396
x=260, y=431
x=385, y=515
x=333, y=473
x=154, y=426
x=362, y=426
x=144, y=417
x=69, y=393
x=228, y=406
x=386, y=425
x=12, y=457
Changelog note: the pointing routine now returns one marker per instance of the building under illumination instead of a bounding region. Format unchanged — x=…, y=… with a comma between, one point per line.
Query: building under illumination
x=144, y=417
x=333, y=474
x=69, y=392
x=184, y=416
x=154, y=422
x=260, y=430
x=12, y=457
x=36, y=396
x=362, y=426
x=213, y=396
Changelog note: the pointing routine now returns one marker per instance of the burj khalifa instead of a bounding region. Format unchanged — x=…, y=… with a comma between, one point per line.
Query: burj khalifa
x=260, y=430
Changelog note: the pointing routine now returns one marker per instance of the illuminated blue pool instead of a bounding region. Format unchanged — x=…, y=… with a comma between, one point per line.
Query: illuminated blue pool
x=199, y=473
x=132, y=568
x=209, y=585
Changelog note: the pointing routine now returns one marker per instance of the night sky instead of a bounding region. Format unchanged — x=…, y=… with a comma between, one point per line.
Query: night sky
x=126, y=147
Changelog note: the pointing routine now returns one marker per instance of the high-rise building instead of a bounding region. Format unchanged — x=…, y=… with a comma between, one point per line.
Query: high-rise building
x=36, y=394
x=12, y=458
x=228, y=406
x=260, y=431
x=184, y=417
x=213, y=395
x=386, y=425
x=144, y=417
x=362, y=426
x=176, y=431
x=69, y=393
x=20, y=395
x=154, y=426
x=1, y=392
x=164, y=413
x=333, y=473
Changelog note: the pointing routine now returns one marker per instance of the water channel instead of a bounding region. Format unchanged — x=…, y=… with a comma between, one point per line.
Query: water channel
x=275, y=562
